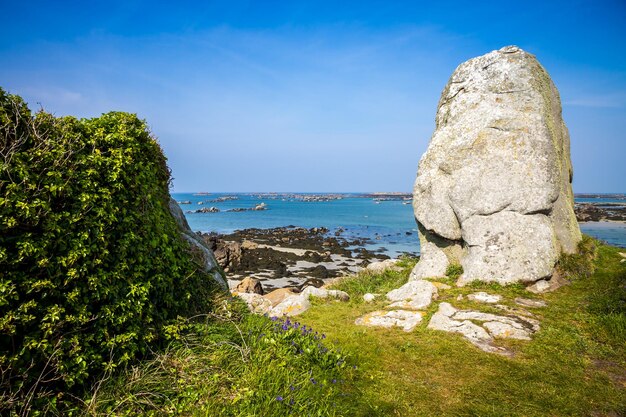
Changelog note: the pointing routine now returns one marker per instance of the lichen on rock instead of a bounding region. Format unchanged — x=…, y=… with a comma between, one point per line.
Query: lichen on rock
x=493, y=190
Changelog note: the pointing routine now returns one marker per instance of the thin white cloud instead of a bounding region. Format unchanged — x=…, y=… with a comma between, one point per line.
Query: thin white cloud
x=50, y=94
x=611, y=100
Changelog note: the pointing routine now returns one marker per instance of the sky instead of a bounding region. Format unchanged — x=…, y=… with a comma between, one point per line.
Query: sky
x=310, y=96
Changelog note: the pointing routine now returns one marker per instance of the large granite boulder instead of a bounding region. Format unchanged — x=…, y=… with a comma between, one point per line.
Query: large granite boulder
x=493, y=191
x=198, y=246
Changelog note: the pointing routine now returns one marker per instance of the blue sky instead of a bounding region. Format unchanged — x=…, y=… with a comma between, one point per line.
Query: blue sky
x=310, y=96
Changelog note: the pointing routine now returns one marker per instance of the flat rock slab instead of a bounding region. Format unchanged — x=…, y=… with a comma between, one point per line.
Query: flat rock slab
x=277, y=296
x=527, y=302
x=414, y=295
x=483, y=297
x=489, y=327
x=407, y=320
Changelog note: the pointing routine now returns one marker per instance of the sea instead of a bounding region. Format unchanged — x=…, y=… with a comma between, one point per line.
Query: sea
x=387, y=222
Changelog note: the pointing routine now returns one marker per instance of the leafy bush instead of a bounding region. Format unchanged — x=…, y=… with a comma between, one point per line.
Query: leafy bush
x=92, y=268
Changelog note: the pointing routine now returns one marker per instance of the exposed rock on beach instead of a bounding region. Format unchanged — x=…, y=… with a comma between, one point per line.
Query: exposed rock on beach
x=289, y=256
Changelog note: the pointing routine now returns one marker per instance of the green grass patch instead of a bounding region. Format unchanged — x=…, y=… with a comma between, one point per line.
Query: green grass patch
x=574, y=366
x=233, y=365
x=375, y=283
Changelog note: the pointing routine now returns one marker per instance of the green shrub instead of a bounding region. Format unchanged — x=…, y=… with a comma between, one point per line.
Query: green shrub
x=92, y=268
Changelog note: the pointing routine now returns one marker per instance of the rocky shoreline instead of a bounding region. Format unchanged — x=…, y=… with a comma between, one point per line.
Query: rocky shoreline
x=289, y=256
x=600, y=212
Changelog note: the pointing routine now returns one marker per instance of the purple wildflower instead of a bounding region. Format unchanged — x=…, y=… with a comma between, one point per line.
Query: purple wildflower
x=279, y=398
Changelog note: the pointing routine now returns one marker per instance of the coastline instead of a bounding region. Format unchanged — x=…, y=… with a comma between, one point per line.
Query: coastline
x=289, y=256
x=335, y=234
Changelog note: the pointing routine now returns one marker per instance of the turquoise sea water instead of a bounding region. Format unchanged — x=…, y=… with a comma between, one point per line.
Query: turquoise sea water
x=389, y=224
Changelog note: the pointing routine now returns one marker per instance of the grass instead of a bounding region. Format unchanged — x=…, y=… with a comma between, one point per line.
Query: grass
x=574, y=366
x=232, y=365
x=237, y=364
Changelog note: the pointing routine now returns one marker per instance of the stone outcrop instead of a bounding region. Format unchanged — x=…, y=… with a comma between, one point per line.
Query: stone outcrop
x=413, y=295
x=483, y=297
x=291, y=306
x=382, y=266
x=256, y=302
x=250, y=285
x=493, y=191
x=407, y=320
x=311, y=291
x=489, y=327
x=198, y=246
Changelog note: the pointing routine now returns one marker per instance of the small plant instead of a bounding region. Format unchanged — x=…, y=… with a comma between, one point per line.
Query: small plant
x=380, y=282
x=454, y=271
x=579, y=265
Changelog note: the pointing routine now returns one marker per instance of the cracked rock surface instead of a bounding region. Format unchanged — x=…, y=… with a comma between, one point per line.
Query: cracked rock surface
x=493, y=190
x=407, y=320
x=482, y=329
x=413, y=295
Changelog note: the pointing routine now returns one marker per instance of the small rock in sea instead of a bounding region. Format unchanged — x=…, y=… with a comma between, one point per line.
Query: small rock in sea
x=407, y=320
x=483, y=297
x=208, y=210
